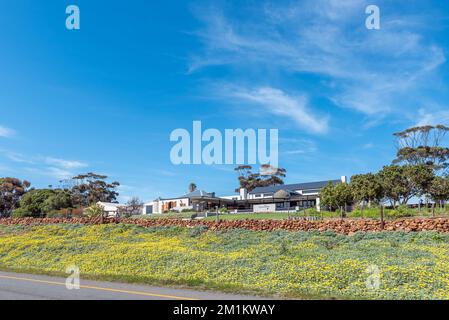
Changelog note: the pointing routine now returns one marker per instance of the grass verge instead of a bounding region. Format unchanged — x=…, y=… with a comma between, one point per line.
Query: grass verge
x=278, y=263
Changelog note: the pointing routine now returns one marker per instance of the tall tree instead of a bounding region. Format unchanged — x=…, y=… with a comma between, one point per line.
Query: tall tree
x=328, y=196
x=91, y=188
x=402, y=183
x=343, y=197
x=366, y=188
x=336, y=196
x=422, y=145
x=11, y=190
x=268, y=176
x=439, y=191
x=38, y=202
x=395, y=184
x=192, y=187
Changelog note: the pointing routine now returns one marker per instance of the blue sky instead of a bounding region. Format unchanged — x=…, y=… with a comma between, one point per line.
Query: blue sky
x=106, y=98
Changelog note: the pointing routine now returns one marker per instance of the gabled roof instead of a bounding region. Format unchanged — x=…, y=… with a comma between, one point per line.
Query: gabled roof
x=294, y=187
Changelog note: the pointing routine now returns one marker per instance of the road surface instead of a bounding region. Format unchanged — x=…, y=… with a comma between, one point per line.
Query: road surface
x=15, y=286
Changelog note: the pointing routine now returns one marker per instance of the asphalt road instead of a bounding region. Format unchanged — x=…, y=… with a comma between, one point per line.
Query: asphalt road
x=15, y=286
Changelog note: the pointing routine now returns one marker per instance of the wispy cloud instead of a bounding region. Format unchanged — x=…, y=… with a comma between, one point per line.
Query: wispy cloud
x=372, y=72
x=45, y=166
x=297, y=146
x=58, y=173
x=16, y=157
x=66, y=164
x=276, y=102
x=427, y=117
x=6, y=132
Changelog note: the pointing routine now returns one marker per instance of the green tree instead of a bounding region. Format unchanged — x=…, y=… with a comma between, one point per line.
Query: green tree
x=343, y=197
x=11, y=191
x=192, y=187
x=328, y=196
x=32, y=203
x=422, y=145
x=395, y=184
x=38, y=202
x=60, y=199
x=91, y=187
x=439, y=191
x=402, y=183
x=268, y=176
x=366, y=188
x=420, y=177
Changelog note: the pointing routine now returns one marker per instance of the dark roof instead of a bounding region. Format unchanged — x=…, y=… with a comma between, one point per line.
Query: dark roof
x=296, y=186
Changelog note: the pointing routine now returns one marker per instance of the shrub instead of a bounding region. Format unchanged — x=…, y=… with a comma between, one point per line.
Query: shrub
x=223, y=210
x=93, y=211
x=401, y=211
x=21, y=213
x=59, y=213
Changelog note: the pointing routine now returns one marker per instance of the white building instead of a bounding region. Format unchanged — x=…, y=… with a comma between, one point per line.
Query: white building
x=263, y=199
x=111, y=209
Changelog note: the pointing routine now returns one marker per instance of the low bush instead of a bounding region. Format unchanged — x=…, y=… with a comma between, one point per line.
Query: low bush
x=21, y=213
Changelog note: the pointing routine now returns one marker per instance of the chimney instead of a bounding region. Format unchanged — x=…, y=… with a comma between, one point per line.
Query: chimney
x=344, y=179
x=243, y=194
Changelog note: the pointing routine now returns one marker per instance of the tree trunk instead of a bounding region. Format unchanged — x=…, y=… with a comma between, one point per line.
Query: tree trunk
x=361, y=210
x=433, y=210
x=341, y=212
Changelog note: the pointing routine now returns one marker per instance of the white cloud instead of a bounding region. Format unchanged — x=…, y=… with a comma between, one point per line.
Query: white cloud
x=372, y=72
x=46, y=166
x=297, y=146
x=66, y=164
x=58, y=173
x=427, y=117
x=6, y=132
x=368, y=145
x=277, y=102
x=16, y=157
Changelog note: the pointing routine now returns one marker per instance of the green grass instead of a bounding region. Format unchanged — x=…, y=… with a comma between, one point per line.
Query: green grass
x=171, y=215
x=278, y=263
x=370, y=213
x=258, y=216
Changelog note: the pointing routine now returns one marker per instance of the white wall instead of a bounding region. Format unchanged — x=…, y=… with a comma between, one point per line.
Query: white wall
x=271, y=207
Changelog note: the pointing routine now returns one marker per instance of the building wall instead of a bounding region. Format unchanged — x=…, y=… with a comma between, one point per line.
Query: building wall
x=159, y=206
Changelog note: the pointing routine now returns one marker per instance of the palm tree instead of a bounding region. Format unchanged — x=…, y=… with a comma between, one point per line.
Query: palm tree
x=192, y=187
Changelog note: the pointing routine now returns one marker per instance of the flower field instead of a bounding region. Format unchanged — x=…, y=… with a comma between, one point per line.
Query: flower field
x=279, y=263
